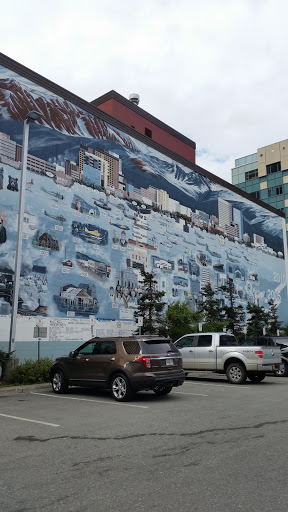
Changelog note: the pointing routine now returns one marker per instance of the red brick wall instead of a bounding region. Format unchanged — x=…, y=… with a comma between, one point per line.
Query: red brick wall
x=131, y=118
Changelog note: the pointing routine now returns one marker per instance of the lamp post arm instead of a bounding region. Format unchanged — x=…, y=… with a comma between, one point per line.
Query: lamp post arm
x=19, y=238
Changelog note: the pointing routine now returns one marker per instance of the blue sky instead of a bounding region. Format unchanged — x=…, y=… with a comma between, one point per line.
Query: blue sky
x=213, y=70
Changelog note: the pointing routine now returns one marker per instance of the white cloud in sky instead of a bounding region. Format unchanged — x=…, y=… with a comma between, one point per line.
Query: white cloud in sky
x=213, y=70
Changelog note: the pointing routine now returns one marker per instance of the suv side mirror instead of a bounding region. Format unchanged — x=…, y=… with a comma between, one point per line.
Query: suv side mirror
x=73, y=353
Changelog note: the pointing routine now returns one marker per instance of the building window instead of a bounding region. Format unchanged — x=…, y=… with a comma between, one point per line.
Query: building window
x=271, y=168
x=275, y=191
x=148, y=133
x=251, y=175
x=256, y=194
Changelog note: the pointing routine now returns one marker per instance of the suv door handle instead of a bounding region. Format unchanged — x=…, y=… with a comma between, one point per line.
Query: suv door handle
x=112, y=359
x=190, y=350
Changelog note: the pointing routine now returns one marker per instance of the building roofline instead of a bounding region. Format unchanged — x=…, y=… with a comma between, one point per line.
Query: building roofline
x=143, y=113
x=73, y=98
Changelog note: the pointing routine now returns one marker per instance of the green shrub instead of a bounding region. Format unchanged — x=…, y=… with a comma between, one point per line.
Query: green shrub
x=32, y=372
x=4, y=356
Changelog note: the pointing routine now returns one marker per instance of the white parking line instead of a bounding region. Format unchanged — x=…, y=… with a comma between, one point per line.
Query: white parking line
x=31, y=421
x=183, y=393
x=224, y=386
x=89, y=400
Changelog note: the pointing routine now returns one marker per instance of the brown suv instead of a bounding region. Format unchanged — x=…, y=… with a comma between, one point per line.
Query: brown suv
x=123, y=365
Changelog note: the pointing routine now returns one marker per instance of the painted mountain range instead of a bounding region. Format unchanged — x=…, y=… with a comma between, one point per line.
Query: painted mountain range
x=64, y=126
x=17, y=98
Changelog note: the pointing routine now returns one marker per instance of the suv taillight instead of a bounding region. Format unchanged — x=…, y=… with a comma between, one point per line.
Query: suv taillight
x=146, y=360
x=259, y=353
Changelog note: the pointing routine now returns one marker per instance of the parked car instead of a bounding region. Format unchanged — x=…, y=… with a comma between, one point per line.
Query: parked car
x=123, y=365
x=282, y=342
x=220, y=353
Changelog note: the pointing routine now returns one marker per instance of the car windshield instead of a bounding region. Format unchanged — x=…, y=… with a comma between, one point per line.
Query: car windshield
x=158, y=347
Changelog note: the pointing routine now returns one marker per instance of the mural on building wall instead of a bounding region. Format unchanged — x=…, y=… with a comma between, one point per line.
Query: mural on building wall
x=100, y=205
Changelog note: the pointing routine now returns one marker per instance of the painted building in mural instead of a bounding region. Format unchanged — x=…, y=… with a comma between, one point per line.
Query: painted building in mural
x=102, y=202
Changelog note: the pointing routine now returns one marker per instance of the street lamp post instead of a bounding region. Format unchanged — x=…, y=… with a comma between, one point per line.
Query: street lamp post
x=31, y=116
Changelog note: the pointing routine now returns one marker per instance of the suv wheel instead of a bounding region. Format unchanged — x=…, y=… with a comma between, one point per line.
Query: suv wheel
x=59, y=382
x=162, y=390
x=120, y=388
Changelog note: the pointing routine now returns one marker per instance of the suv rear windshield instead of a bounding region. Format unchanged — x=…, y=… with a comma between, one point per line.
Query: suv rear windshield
x=157, y=347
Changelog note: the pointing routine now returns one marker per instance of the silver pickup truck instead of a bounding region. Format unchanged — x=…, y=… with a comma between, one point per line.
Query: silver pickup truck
x=220, y=353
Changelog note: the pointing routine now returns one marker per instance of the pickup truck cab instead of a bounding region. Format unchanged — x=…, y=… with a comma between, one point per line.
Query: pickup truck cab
x=220, y=353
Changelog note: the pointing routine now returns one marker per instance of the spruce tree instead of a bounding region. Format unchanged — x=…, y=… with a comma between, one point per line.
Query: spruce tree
x=234, y=315
x=258, y=319
x=211, y=310
x=273, y=322
x=150, y=305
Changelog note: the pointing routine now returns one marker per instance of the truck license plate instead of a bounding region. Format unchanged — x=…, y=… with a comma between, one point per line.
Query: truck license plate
x=169, y=362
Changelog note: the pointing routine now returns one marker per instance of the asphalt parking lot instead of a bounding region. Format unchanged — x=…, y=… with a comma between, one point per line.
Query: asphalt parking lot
x=207, y=445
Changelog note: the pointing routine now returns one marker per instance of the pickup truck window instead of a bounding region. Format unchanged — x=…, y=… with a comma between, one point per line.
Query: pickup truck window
x=259, y=340
x=227, y=341
x=187, y=341
x=204, y=340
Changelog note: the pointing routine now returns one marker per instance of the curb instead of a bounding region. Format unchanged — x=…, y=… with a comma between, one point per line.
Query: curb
x=14, y=390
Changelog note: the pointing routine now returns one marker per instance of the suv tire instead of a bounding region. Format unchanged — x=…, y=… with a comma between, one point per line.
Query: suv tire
x=120, y=388
x=59, y=382
x=162, y=390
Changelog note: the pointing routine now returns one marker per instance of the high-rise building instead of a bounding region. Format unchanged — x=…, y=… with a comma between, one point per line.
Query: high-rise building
x=34, y=163
x=264, y=175
x=72, y=169
x=114, y=167
x=238, y=219
x=7, y=147
x=89, y=161
x=224, y=213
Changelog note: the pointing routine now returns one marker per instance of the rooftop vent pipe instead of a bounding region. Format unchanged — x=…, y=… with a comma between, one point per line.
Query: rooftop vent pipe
x=134, y=98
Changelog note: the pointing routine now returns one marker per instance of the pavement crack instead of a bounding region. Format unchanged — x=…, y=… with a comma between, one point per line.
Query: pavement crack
x=199, y=433
x=99, y=460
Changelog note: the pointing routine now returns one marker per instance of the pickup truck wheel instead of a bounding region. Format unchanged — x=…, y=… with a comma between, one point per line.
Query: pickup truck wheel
x=256, y=377
x=59, y=382
x=236, y=373
x=162, y=390
x=284, y=372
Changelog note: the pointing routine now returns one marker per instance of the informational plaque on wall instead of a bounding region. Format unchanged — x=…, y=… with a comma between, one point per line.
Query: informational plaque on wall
x=69, y=330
